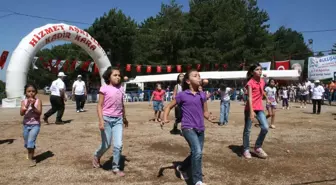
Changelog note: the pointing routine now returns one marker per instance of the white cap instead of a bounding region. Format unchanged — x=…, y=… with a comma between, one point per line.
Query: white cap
x=317, y=81
x=79, y=76
x=61, y=74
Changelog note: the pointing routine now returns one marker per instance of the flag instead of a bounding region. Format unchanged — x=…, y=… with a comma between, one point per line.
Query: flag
x=3, y=59
x=66, y=66
x=47, y=65
x=216, y=66
x=149, y=69
x=158, y=69
x=86, y=65
x=60, y=65
x=189, y=67
x=77, y=64
x=198, y=67
x=282, y=65
x=90, y=69
x=138, y=68
x=225, y=66
x=96, y=70
x=128, y=67
x=73, y=65
x=34, y=62
x=297, y=65
x=178, y=68
x=265, y=65
x=169, y=69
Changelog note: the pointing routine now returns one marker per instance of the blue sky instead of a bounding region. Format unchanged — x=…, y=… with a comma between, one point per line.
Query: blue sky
x=300, y=15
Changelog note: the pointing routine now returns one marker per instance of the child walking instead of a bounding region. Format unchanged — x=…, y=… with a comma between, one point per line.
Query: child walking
x=31, y=109
x=254, y=109
x=271, y=101
x=157, y=98
x=111, y=115
x=194, y=108
x=178, y=115
x=317, y=96
x=284, y=94
x=225, y=93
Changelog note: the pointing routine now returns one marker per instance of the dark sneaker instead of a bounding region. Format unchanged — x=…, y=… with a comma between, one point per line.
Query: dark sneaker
x=45, y=119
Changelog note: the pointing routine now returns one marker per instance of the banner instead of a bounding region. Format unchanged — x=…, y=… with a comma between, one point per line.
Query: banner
x=320, y=68
x=282, y=65
x=3, y=59
x=34, y=63
x=297, y=65
x=265, y=65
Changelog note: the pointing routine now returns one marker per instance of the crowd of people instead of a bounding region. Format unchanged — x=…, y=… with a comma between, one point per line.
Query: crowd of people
x=190, y=104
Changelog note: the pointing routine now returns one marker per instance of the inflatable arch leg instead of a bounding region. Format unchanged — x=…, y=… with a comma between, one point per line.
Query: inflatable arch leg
x=20, y=61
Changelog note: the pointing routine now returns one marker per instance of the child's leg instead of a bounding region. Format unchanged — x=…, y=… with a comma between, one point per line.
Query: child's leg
x=177, y=117
x=273, y=116
x=117, y=133
x=247, y=130
x=264, y=128
x=106, y=137
x=226, y=112
x=195, y=141
x=221, y=113
x=269, y=111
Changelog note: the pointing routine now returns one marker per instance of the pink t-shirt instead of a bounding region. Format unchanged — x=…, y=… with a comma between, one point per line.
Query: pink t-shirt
x=113, y=100
x=31, y=117
x=257, y=94
x=158, y=95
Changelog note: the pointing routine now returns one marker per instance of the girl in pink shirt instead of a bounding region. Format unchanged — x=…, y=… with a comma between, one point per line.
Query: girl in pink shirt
x=254, y=109
x=31, y=109
x=111, y=115
x=157, y=98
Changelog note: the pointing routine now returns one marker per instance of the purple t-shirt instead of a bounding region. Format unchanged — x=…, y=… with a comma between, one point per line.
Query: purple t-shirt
x=192, y=109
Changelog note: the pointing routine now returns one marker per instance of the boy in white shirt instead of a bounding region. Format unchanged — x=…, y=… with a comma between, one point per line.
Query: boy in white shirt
x=79, y=91
x=317, y=95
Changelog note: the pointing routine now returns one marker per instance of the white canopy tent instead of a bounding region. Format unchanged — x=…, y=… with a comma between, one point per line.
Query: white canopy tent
x=224, y=75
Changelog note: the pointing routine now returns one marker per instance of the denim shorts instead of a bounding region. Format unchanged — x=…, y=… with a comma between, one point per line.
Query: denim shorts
x=268, y=106
x=157, y=105
x=30, y=133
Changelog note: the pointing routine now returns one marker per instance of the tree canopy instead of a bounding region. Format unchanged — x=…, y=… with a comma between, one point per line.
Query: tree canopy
x=212, y=31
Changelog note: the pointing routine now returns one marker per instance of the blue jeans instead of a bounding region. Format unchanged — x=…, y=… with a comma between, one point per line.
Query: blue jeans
x=195, y=140
x=30, y=133
x=224, y=112
x=247, y=129
x=113, y=128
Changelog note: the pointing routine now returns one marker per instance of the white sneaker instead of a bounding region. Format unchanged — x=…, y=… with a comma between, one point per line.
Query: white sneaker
x=81, y=110
x=283, y=108
x=300, y=107
x=77, y=111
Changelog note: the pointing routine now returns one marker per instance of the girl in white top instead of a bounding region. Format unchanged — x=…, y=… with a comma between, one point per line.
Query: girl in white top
x=178, y=115
x=225, y=93
x=271, y=101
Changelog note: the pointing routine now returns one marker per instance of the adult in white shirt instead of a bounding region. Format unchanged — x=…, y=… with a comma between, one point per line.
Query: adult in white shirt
x=57, y=99
x=79, y=92
x=225, y=93
x=317, y=95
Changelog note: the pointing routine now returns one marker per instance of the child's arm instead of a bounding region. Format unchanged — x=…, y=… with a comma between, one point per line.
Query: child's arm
x=206, y=113
x=250, y=102
x=124, y=116
x=174, y=92
x=100, y=111
x=23, y=108
x=167, y=110
x=37, y=109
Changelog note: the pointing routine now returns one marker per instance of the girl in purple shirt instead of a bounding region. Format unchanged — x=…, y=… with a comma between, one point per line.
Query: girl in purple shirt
x=194, y=109
x=31, y=109
x=111, y=114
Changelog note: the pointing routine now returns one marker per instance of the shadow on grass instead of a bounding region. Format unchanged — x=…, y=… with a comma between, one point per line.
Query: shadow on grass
x=43, y=156
x=8, y=141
